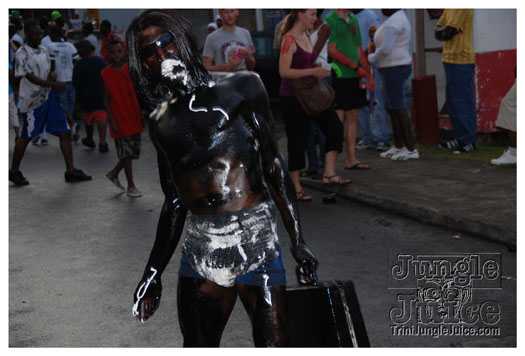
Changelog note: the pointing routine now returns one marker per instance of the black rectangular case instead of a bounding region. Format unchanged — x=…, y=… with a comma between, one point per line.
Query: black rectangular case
x=326, y=315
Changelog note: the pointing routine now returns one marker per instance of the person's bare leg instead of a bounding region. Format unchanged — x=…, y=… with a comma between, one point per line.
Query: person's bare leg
x=512, y=138
x=204, y=308
x=350, y=136
x=266, y=307
x=18, y=153
x=89, y=132
x=329, y=163
x=406, y=132
x=16, y=129
x=67, y=150
x=128, y=170
x=116, y=170
x=101, y=126
x=396, y=129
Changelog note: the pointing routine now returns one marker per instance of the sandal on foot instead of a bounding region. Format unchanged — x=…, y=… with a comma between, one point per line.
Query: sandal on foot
x=336, y=180
x=357, y=166
x=301, y=196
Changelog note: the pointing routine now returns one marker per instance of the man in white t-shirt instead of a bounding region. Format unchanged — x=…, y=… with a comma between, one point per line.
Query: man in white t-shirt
x=63, y=55
x=39, y=105
x=230, y=48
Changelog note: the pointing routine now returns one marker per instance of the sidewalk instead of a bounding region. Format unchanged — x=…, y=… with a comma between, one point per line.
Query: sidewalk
x=467, y=197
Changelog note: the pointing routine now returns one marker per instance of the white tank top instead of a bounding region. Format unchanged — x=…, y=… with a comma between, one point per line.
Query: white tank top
x=323, y=54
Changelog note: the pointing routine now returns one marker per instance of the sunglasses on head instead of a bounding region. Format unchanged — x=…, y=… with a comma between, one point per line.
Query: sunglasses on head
x=161, y=42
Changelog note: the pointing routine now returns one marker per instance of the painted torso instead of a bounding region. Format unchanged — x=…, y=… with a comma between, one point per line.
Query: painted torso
x=208, y=141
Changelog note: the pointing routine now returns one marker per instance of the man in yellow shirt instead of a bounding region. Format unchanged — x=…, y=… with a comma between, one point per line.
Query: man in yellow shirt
x=455, y=29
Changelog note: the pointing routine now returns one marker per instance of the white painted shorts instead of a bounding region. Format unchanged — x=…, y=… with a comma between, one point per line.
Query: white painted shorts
x=222, y=247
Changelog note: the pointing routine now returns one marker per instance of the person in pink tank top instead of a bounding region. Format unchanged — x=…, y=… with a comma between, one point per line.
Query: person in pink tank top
x=296, y=61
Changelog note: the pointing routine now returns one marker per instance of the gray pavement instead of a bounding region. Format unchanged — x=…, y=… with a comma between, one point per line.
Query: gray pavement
x=76, y=251
x=469, y=197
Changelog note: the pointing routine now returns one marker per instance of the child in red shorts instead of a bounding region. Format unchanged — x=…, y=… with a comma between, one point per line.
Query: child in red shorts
x=90, y=91
x=124, y=118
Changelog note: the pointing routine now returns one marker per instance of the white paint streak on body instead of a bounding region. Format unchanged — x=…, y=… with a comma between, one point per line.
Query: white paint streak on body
x=190, y=106
x=142, y=291
x=241, y=251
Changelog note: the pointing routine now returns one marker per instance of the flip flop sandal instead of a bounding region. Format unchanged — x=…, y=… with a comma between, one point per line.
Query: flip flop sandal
x=357, y=166
x=301, y=196
x=336, y=180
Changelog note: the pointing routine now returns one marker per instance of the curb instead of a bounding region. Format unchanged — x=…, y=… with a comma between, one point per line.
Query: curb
x=496, y=233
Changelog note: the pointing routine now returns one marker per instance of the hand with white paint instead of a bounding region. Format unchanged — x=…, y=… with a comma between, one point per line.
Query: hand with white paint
x=306, y=264
x=147, y=296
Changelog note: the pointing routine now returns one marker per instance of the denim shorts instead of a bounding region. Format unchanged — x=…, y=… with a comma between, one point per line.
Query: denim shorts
x=272, y=274
x=66, y=98
x=394, y=80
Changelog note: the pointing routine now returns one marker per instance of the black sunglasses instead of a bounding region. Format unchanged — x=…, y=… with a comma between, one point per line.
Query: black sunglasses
x=161, y=42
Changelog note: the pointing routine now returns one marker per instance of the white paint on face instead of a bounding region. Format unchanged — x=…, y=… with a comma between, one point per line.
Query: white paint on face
x=167, y=69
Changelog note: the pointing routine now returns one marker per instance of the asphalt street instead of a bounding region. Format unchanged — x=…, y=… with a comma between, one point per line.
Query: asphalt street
x=77, y=252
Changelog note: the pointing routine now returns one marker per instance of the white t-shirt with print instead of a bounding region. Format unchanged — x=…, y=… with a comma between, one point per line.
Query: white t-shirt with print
x=32, y=60
x=63, y=53
x=222, y=45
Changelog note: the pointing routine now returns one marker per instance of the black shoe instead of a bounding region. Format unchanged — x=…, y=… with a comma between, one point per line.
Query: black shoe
x=17, y=178
x=88, y=143
x=449, y=144
x=103, y=147
x=76, y=176
x=470, y=147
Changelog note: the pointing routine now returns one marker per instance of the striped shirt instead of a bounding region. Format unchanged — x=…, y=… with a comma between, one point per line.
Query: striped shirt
x=459, y=49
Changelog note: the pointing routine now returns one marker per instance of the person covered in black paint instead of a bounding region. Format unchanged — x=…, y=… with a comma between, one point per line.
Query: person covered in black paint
x=219, y=165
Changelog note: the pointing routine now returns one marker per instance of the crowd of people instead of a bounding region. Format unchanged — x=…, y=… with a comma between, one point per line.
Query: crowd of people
x=365, y=60
x=50, y=77
x=210, y=122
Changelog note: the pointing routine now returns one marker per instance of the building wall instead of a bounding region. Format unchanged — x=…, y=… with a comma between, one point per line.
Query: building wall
x=495, y=45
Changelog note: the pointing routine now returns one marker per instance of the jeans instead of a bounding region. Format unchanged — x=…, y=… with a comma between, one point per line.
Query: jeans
x=66, y=98
x=374, y=126
x=460, y=101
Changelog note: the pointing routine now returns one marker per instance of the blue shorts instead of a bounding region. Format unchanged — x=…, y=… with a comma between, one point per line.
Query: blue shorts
x=66, y=98
x=394, y=80
x=49, y=115
x=272, y=274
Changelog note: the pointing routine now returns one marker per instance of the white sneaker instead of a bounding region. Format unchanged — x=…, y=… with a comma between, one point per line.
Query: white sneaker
x=133, y=193
x=390, y=152
x=361, y=145
x=405, y=154
x=506, y=158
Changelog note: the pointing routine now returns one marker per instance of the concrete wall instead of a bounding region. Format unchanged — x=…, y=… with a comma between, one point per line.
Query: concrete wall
x=495, y=30
x=495, y=43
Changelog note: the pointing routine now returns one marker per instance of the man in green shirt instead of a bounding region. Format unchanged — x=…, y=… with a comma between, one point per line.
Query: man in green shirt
x=344, y=47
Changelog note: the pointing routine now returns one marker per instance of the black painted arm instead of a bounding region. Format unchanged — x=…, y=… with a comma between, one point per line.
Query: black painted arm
x=276, y=175
x=169, y=230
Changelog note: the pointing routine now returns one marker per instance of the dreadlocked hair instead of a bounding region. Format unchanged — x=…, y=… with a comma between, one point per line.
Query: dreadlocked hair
x=149, y=89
